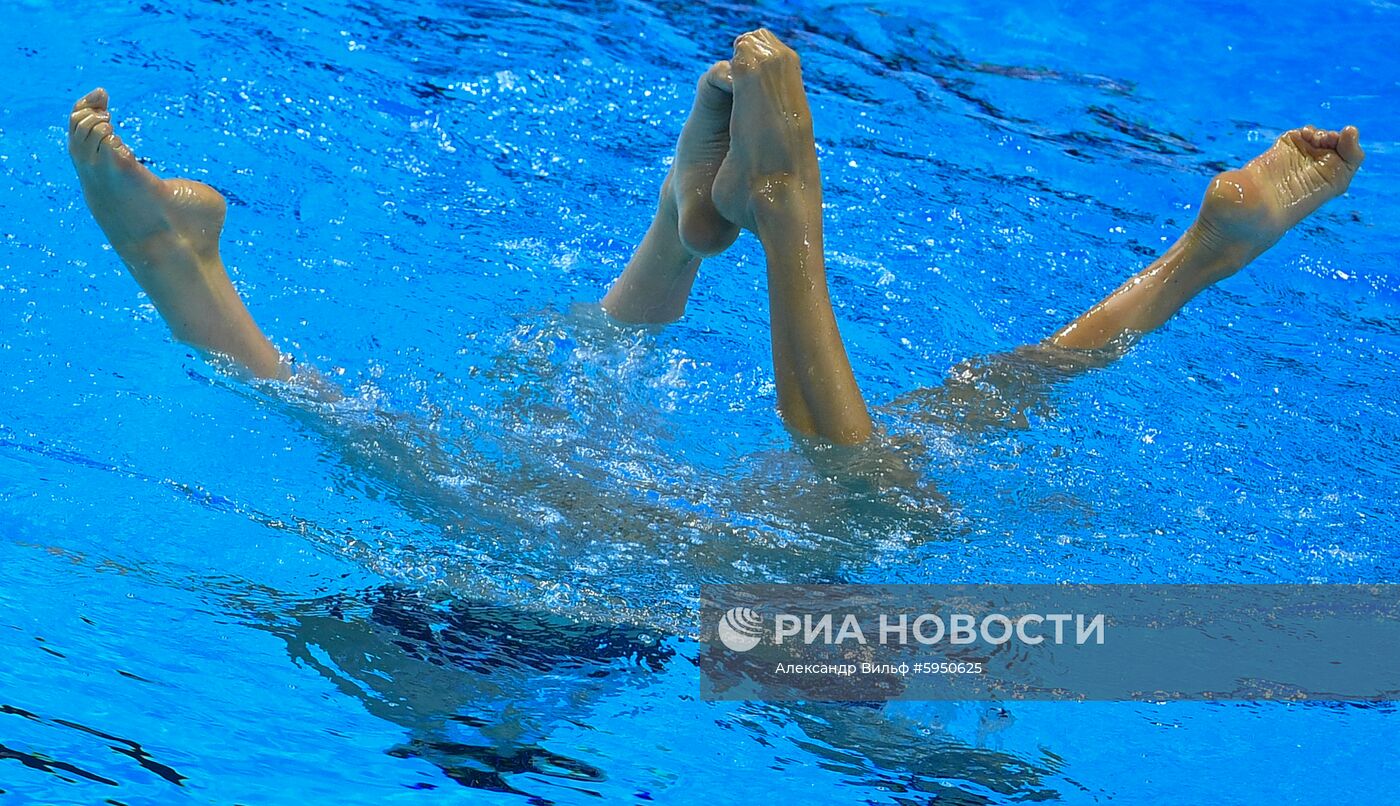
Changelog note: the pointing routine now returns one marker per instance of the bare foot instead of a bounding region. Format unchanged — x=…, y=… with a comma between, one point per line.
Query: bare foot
x=772, y=150
x=139, y=212
x=702, y=147
x=687, y=228
x=771, y=184
x=1245, y=212
x=167, y=233
x=1249, y=209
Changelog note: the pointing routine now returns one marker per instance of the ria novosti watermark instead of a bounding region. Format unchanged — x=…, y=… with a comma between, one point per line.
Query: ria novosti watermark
x=740, y=629
x=1138, y=642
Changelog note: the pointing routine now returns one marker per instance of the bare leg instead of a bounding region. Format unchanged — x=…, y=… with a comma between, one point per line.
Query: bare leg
x=770, y=184
x=167, y=233
x=656, y=284
x=1245, y=212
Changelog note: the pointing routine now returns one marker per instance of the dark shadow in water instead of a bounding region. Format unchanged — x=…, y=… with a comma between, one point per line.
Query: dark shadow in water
x=479, y=688
x=63, y=769
x=475, y=685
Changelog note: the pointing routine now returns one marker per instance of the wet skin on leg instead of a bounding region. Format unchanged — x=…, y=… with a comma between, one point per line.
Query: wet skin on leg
x=1245, y=211
x=770, y=184
x=687, y=228
x=167, y=233
x=773, y=188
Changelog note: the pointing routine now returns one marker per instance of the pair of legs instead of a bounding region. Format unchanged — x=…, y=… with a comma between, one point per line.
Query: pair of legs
x=760, y=173
x=746, y=160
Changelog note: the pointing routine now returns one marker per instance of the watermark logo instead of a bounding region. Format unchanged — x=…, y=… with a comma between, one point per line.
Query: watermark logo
x=740, y=629
x=1051, y=642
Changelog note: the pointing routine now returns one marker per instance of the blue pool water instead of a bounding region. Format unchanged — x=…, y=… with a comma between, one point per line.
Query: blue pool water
x=475, y=580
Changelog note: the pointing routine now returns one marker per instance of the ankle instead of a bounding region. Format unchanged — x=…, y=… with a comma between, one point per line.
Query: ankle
x=656, y=283
x=1208, y=255
x=781, y=201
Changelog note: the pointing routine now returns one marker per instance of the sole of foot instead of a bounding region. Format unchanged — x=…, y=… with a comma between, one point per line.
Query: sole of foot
x=1250, y=208
x=701, y=149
